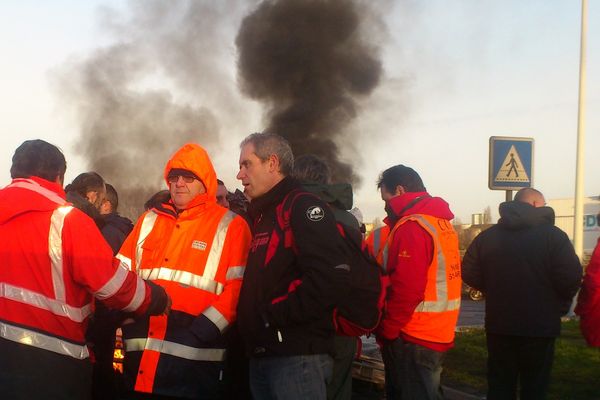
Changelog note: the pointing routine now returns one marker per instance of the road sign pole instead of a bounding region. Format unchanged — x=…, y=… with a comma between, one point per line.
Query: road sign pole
x=509, y=195
x=578, y=225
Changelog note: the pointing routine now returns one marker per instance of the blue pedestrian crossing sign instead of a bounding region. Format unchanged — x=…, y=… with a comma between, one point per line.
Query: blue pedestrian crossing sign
x=511, y=163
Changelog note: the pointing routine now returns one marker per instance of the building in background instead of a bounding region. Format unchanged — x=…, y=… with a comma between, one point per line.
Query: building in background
x=564, y=209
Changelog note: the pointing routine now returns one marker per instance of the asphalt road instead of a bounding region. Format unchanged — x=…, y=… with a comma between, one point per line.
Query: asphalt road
x=472, y=313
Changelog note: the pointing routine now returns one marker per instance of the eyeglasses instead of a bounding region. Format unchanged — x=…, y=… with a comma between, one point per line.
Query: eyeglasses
x=175, y=178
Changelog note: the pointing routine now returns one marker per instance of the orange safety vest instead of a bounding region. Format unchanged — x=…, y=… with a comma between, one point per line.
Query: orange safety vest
x=376, y=240
x=434, y=319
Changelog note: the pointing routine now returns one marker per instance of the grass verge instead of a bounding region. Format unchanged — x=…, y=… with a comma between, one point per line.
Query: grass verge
x=574, y=372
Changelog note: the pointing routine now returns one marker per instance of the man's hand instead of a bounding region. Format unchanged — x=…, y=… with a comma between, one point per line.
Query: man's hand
x=160, y=302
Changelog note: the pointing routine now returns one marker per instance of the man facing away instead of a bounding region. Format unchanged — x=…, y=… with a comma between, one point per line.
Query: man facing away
x=197, y=251
x=422, y=261
x=54, y=262
x=293, y=278
x=529, y=273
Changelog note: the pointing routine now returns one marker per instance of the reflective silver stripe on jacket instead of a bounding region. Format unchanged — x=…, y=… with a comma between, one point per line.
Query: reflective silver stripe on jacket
x=125, y=260
x=376, y=241
x=138, y=296
x=216, y=318
x=235, y=273
x=183, y=277
x=38, y=300
x=216, y=248
x=114, y=284
x=42, y=341
x=207, y=280
x=174, y=349
x=55, y=250
x=145, y=229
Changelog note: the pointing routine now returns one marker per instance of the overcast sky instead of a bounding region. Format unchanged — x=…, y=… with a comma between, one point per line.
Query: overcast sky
x=456, y=73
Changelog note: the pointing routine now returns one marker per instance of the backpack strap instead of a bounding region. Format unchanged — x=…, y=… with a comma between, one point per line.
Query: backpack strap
x=283, y=213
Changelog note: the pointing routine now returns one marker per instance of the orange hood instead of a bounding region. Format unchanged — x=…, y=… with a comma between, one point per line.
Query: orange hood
x=193, y=157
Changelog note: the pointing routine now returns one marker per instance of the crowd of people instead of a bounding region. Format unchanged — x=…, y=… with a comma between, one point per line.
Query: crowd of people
x=235, y=295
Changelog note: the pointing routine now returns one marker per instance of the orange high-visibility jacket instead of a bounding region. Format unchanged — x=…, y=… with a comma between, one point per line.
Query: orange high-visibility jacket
x=54, y=261
x=434, y=319
x=199, y=256
x=376, y=240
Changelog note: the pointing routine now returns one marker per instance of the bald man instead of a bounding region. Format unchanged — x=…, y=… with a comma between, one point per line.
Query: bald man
x=529, y=273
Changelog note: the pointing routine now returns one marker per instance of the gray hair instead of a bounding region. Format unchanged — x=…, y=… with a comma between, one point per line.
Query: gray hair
x=268, y=144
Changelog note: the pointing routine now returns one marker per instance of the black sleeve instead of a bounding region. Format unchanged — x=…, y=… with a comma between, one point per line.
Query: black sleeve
x=158, y=301
x=114, y=237
x=565, y=268
x=471, y=270
x=321, y=263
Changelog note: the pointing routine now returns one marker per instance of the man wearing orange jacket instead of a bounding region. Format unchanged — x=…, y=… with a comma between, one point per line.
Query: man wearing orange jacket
x=54, y=260
x=197, y=251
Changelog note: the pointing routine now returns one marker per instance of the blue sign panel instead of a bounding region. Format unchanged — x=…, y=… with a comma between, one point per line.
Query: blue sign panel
x=511, y=163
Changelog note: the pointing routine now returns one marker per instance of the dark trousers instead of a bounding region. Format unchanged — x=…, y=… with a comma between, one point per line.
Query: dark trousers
x=340, y=385
x=412, y=372
x=28, y=372
x=290, y=377
x=518, y=361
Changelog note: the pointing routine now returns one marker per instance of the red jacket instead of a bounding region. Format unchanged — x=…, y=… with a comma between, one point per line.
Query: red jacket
x=408, y=271
x=588, y=302
x=54, y=261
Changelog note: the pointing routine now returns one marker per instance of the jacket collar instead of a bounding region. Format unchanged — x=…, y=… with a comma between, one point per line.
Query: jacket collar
x=273, y=197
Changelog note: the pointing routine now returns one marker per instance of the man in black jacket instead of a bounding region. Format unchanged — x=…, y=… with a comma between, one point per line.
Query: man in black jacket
x=293, y=278
x=529, y=273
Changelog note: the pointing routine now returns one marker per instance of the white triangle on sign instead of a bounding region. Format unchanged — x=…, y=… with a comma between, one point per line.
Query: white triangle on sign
x=512, y=169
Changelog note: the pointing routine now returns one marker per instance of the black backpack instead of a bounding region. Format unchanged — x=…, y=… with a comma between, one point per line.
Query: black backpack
x=360, y=311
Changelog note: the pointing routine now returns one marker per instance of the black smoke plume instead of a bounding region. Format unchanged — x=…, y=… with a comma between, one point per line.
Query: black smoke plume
x=309, y=62
x=159, y=83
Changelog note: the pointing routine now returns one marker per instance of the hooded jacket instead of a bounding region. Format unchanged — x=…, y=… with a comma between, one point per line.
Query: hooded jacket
x=54, y=262
x=339, y=197
x=199, y=256
x=527, y=269
x=410, y=253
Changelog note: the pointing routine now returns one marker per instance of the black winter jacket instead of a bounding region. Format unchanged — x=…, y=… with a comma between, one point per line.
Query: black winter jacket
x=528, y=270
x=115, y=230
x=287, y=298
